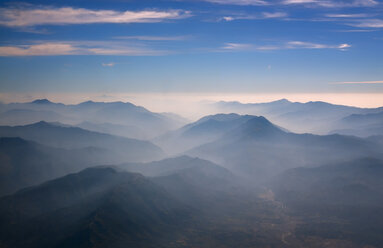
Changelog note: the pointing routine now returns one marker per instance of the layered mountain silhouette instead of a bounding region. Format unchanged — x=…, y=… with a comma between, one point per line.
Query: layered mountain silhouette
x=60, y=136
x=125, y=115
x=26, y=163
x=128, y=131
x=363, y=125
x=204, y=130
x=311, y=117
x=259, y=149
x=27, y=116
x=170, y=166
x=97, y=207
x=117, y=175
x=108, y=207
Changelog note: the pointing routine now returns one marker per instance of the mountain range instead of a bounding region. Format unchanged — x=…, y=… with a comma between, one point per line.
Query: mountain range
x=117, y=175
x=61, y=136
x=100, y=116
x=310, y=117
x=259, y=149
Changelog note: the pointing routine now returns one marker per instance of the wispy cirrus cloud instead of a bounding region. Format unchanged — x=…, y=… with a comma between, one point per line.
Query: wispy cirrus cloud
x=368, y=23
x=239, y=2
x=238, y=46
x=332, y=3
x=78, y=48
x=309, y=45
x=347, y=15
x=155, y=38
x=260, y=16
x=110, y=64
x=356, y=30
x=38, y=49
x=284, y=46
x=360, y=82
x=38, y=15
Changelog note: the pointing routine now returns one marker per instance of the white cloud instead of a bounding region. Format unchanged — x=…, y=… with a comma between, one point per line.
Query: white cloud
x=78, y=48
x=298, y=1
x=356, y=30
x=361, y=82
x=228, y=18
x=274, y=14
x=309, y=45
x=239, y=2
x=368, y=23
x=263, y=15
x=237, y=46
x=154, y=38
x=27, y=17
x=347, y=15
x=38, y=49
x=287, y=45
x=332, y=3
x=111, y=64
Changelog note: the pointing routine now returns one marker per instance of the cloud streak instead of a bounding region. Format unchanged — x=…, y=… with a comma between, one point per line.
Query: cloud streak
x=27, y=17
x=263, y=15
x=154, y=38
x=111, y=64
x=239, y=2
x=284, y=46
x=368, y=23
x=77, y=48
x=361, y=82
x=309, y=45
x=332, y=3
x=347, y=15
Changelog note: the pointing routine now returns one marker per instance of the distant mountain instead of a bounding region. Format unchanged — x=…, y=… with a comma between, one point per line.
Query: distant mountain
x=336, y=201
x=114, y=113
x=28, y=116
x=127, y=114
x=362, y=125
x=128, y=131
x=205, y=130
x=258, y=149
x=170, y=166
x=75, y=138
x=44, y=102
x=97, y=207
x=310, y=117
x=26, y=163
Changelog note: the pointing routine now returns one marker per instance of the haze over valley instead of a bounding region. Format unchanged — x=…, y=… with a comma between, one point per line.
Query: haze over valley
x=224, y=180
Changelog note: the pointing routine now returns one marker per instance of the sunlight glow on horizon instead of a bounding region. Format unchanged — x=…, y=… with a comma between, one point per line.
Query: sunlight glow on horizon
x=189, y=104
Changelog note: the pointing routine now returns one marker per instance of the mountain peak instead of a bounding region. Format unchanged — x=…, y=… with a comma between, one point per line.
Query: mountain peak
x=42, y=101
x=41, y=124
x=220, y=117
x=258, y=126
x=281, y=101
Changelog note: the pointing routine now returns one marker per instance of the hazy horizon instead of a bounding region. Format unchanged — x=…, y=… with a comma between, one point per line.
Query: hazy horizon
x=189, y=104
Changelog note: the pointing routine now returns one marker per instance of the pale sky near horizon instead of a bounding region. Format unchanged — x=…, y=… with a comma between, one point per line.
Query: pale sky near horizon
x=244, y=50
x=192, y=105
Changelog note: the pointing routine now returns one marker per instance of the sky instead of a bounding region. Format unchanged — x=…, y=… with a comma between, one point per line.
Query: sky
x=249, y=50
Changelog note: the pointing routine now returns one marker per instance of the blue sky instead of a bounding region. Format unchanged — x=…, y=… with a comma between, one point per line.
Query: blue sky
x=211, y=46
